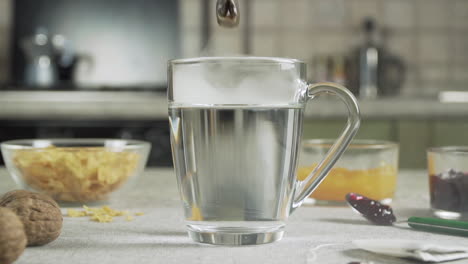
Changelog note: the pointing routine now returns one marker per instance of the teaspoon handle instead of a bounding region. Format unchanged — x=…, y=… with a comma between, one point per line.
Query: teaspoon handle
x=453, y=227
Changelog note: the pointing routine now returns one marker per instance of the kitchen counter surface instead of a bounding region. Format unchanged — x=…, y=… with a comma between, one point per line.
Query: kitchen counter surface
x=314, y=234
x=115, y=105
x=85, y=105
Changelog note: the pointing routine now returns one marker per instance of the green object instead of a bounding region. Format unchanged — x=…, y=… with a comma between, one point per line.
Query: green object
x=452, y=227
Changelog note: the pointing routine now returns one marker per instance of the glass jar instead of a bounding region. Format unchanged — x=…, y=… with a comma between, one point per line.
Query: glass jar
x=448, y=181
x=368, y=167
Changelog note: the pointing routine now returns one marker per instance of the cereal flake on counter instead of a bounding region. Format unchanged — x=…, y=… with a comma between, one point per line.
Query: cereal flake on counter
x=104, y=214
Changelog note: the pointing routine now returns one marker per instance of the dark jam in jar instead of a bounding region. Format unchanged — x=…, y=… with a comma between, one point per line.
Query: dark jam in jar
x=449, y=191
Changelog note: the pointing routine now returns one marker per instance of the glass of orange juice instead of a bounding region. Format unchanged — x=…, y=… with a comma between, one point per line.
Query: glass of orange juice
x=368, y=167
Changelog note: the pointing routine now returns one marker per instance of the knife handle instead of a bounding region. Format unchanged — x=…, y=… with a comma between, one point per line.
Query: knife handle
x=429, y=224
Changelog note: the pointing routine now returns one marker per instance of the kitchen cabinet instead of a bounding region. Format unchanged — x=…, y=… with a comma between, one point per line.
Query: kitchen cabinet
x=414, y=137
x=450, y=133
x=416, y=123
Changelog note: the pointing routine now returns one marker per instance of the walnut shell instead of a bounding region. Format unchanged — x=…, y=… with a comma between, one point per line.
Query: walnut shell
x=12, y=238
x=40, y=214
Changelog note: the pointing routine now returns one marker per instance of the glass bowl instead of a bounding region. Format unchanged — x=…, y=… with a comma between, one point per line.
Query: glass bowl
x=75, y=170
x=448, y=181
x=367, y=167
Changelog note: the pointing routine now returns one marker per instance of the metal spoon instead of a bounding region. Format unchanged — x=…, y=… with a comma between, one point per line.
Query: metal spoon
x=227, y=13
x=381, y=214
x=372, y=210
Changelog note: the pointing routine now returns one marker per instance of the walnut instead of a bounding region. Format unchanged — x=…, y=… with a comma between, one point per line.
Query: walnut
x=40, y=214
x=12, y=238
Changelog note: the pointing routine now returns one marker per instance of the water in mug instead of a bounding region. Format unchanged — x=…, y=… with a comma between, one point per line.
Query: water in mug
x=236, y=165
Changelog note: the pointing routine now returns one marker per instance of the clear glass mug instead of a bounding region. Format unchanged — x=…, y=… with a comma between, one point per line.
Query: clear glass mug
x=236, y=125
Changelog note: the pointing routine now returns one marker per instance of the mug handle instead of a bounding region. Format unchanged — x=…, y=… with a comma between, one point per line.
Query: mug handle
x=307, y=186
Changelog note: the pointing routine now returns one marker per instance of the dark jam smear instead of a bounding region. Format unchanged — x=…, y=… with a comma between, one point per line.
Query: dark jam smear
x=449, y=191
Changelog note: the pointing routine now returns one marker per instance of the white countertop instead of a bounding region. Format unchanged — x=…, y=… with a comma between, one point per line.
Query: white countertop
x=159, y=235
x=114, y=105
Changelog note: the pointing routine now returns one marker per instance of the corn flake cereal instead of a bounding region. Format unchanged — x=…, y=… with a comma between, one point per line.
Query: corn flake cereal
x=75, y=213
x=76, y=173
x=196, y=214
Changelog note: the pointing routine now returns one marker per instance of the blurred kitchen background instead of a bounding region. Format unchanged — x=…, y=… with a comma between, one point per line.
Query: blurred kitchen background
x=97, y=68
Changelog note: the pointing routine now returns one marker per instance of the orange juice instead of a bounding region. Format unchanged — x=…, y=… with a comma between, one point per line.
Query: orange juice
x=377, y=183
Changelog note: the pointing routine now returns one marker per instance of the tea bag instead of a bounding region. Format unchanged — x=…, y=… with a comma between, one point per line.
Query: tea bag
x=414, y=249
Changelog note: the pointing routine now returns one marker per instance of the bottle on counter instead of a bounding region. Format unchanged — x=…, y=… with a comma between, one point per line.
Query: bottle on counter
x=369, y=59
x=339, y=72
x=373, y=71
x=329, y=68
